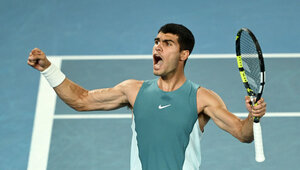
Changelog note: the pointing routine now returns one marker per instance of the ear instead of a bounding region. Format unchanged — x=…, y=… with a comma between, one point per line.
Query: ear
x=184, y=54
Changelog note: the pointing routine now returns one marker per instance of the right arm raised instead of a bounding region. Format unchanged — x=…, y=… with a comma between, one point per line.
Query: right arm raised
x=81, y=99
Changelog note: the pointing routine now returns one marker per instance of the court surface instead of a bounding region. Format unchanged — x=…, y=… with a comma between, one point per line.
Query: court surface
x=101, y=140
x=98, y=44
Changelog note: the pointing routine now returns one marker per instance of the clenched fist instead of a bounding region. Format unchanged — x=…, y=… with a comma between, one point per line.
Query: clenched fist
x=38, y=60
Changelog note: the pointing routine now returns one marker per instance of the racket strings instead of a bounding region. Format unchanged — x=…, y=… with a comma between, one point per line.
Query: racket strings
x=250, y=61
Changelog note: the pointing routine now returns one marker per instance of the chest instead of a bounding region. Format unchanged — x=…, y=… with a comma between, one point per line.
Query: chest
x=160, y=110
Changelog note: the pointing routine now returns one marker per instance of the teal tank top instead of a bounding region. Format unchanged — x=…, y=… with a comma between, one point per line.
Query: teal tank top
x=166, y=133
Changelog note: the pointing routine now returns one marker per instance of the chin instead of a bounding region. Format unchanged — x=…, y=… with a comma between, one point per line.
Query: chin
x=157, y=73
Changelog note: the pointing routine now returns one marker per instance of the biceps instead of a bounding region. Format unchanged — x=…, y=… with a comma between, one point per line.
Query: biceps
x=226, y=120
x=105, y=99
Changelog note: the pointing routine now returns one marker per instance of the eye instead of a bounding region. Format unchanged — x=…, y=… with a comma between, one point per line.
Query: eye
x=168, y=43
x=156, y=42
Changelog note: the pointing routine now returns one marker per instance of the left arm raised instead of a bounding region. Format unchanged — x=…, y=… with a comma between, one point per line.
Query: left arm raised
x=213, y=106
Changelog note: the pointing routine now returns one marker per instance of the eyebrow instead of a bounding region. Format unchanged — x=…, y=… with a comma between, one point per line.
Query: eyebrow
x=166, y=40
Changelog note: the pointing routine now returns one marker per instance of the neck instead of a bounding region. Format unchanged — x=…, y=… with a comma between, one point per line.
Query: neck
x=171, y=82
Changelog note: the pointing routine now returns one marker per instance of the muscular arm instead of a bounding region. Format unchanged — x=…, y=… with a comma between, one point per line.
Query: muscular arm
x=80, y=99
x=213, y=106
x=100, y=99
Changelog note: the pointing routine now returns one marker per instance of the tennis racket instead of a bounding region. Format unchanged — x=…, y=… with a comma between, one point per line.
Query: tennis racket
x=252, y=70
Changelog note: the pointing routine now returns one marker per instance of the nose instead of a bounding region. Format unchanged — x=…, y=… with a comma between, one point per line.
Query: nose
x=157, y=47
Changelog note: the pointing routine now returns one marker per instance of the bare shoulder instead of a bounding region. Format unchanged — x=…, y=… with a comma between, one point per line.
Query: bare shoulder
x=130, y=84
x=130, y=88
x=207, y=98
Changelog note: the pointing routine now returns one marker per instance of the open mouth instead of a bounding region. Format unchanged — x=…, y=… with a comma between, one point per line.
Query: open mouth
x=156, y=59
x=157, y=62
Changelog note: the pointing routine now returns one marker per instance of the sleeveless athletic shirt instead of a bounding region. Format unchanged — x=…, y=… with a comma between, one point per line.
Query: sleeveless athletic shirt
x=166, y=133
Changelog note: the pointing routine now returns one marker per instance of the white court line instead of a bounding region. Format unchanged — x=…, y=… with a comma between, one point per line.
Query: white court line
x=273, y=114
x=43, y=121
x=94, y=116
x=129, y=115
x=193, y=56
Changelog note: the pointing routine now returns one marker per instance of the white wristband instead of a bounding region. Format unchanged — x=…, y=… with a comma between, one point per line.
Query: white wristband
x=53, y=75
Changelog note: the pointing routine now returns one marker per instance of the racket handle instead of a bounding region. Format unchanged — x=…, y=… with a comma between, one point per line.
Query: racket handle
x=258, y=142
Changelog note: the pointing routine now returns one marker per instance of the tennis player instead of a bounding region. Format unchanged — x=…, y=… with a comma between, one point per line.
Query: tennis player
x=169, y=113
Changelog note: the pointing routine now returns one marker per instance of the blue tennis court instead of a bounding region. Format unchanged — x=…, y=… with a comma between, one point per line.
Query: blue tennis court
x=101, y=140
x=98, y=44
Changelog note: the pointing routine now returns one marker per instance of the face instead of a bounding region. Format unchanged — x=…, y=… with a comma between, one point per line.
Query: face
x=166, y=54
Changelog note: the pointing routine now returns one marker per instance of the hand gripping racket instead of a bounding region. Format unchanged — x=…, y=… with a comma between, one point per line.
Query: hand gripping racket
x=252, y=70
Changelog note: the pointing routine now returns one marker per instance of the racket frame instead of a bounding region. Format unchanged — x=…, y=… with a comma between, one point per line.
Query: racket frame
x=243, y=75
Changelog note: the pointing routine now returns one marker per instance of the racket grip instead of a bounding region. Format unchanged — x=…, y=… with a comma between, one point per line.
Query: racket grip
x=258, y=142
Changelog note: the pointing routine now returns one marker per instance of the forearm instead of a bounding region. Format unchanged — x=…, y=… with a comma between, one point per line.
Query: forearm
x=247, y=130
x=72, y=94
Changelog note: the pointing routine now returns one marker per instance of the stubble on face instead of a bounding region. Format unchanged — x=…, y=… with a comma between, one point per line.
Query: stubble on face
x=166, y=52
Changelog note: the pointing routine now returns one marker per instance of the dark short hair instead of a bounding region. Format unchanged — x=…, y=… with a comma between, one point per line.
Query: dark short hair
x=186, y=38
